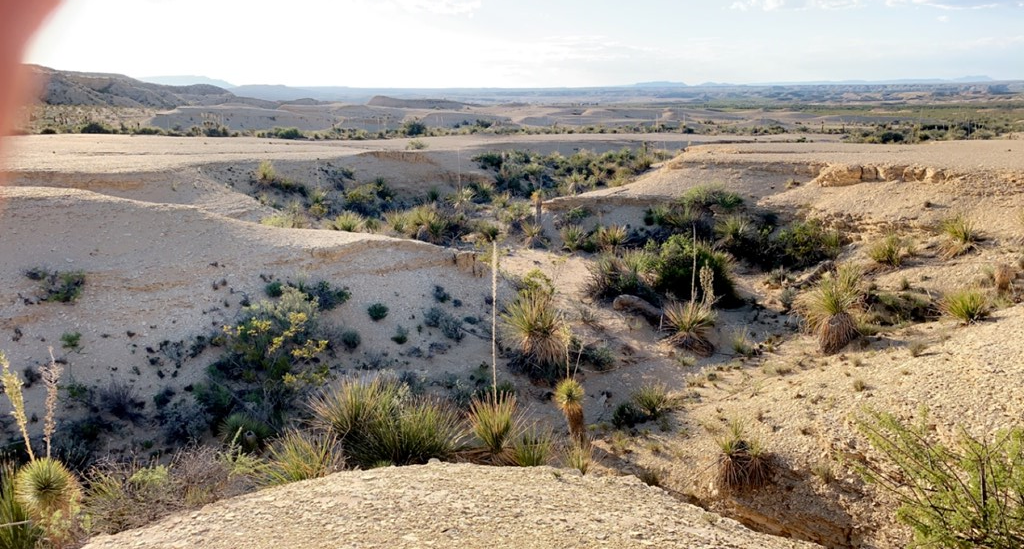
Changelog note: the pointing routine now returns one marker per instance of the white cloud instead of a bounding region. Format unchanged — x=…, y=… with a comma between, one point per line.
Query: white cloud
x=773, y=5
x=766, y=5
x=440, y=7
x=950, y=4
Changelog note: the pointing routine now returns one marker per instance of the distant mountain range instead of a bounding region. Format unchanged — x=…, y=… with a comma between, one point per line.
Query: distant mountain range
x=186, y=81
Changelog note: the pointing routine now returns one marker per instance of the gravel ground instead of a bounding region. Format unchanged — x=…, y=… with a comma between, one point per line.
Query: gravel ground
x=450, y=505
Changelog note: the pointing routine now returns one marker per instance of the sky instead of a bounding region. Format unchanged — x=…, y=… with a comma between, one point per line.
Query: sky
x=536, y=43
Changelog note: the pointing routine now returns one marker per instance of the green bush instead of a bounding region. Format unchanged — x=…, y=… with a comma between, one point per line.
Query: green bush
x=58, y=286
x=377, y=311
x=962, y=496
x=675, y=269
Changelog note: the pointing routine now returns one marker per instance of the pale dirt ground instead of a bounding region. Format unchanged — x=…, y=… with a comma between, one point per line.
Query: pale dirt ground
x=149, y=252
x=450, y=505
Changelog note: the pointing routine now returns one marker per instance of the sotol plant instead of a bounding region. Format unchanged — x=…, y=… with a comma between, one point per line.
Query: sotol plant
x=828, y=308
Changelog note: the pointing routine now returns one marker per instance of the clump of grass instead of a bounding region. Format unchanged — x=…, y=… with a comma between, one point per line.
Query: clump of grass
x=300, y=455
x=828, y=307
x=961, y=235
x=612, y=275
x=1003, y=277
x=967, y=306
x=244, y=432
x=743, y=464
x=891, y=250
x=533, y=447
x=579, y=456
x=348, y=221
x=265, y=172
x=653, y=400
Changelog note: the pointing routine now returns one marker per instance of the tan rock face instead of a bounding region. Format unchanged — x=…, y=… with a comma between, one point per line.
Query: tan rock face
x=841, y=175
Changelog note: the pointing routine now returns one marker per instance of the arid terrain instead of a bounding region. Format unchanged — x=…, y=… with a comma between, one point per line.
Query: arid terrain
x=167, y=233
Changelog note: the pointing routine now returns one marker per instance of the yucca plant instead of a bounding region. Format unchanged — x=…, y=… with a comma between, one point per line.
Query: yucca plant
x=536, y=329
x=533, y=447
x=743, y=463
x=610, y=238
x=418, y=430
x=967, y=306
x=350, y=410
x=688, y=325
x=16, y=529
x=300, y=455
x=961, y=235
x=533, y=235
x=733, y=229
x=51, y=495
x=574, y=238
x=399, y=222
x=351, y=222
x=495, y=420
x=828, y=308
x=891, y=250
x=568, y=397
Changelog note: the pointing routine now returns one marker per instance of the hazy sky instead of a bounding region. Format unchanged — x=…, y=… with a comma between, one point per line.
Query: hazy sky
x=536, y=43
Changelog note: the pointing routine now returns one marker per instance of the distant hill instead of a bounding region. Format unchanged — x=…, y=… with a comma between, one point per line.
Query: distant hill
x=186, y=80
x=385, y=101
x=659, y=84
x=118, y=90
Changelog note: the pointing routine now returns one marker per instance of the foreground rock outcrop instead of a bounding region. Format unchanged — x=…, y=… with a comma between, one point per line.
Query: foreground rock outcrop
x=450, y=505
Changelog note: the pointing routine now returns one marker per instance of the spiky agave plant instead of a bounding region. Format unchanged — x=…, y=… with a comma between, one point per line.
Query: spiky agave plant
x=828, y=308
x=495, y=420
x=51, y=495
x=568, y=397
x=536, y=329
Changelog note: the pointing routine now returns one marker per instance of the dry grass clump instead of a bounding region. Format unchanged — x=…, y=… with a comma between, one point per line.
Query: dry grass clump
x=301, y=455
x=961, y=235
x=1003, y=277
x=967, y=306
x=533, y=447
x=743, y=464
x=891, y=250
x=828, y=308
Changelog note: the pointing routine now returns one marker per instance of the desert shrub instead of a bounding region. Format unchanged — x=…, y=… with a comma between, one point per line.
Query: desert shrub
x=378, y=422
x=274, y=289
x=627, y=414
x=415, y=145
x=532, y=447
x=966, y=495
x=449, y=324
x=184, y=422
x=17, y=531
x=377, y=311
x=350, y=339
x=827, y=308
x=706, y=196
x=961, y=235
x=495, y=421
x=674, y=271
x=537, y=332
x=293, y=218
x=95, y=127
x=325, y=295
x=631, y=273
x=401, y=335
x=895, y=308
x=265, y=172
x=301, y=455
x=891, y=250
x=352, y=222
x=533, y=236
x=440, y=294
x=122, y=496
x=414, y=127
x=805, y=243
x=71, y=341
x=967, y=306
x=287, y=133
x=743, y=464
x=118, y=398
x=575, y=238
x=57, y=286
